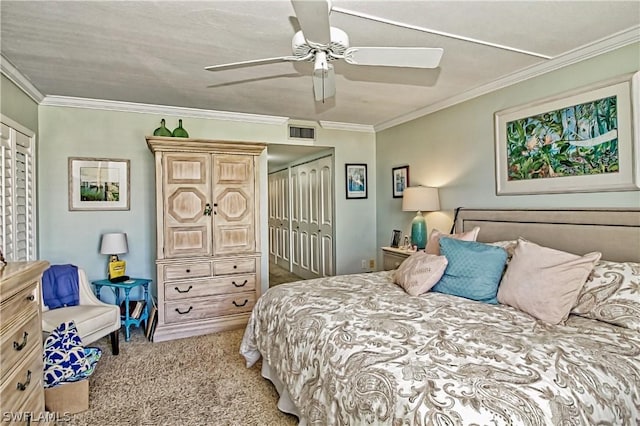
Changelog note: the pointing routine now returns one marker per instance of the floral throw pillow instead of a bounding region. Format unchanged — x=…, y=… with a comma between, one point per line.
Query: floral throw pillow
x=419, y=272
x=612, y=294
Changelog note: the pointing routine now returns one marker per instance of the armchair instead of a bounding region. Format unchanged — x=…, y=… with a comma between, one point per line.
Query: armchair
x=93, y=318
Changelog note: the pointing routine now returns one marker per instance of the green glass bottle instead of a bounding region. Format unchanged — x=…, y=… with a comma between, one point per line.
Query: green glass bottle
x=162, y=130
x=179, y=132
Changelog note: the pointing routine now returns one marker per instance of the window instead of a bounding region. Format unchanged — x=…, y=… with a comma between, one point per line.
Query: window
x=18, y=192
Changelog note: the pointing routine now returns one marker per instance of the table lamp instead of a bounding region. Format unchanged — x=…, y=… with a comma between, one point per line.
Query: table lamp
x=113, y=244
x=420, y=199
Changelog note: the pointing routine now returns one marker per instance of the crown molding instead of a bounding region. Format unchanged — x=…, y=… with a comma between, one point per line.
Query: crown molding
x=352, y=127
x=607, y=44
x=12, y=73
x=71, y=102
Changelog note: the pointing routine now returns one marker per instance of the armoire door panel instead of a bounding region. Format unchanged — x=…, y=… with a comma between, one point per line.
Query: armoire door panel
x=314, y=254
x=233, y=195
x=326, y=196
x=187, y=188
x=326, y=256
x=186, y=241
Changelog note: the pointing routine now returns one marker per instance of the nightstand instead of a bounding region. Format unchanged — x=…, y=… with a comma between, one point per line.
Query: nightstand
x=127, y=286
x=392, y=257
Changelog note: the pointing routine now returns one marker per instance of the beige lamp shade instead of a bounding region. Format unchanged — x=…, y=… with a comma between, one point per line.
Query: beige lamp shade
x=114, y=243
x=420, y=198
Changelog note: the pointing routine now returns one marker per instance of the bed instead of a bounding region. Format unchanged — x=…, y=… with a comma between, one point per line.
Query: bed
x=357, y=349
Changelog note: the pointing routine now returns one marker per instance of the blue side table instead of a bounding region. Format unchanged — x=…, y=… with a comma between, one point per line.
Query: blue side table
x=127, y=286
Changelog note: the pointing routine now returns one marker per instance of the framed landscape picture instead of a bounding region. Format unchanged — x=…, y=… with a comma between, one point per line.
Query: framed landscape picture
x=582, y=141
x=400, y=180
x=98, y=184
x=356, y=180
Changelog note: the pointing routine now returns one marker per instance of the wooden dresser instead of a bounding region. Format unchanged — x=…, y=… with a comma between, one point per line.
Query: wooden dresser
x=21, y=366
x=207, y=207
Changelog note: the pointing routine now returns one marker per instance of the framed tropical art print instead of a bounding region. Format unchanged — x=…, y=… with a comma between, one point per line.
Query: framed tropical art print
x=98, y=184
x=400, y=180
x=581, y=141
x=356, y=181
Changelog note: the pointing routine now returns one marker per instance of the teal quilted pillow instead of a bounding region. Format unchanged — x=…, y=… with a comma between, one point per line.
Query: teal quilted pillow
x=474, y=270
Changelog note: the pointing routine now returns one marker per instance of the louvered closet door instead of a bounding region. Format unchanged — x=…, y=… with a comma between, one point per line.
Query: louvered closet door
x=233, y=194
x=17, y=227
x=187, y=185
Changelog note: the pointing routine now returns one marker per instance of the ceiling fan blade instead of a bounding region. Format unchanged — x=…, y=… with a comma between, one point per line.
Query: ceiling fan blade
x=313, y=17
x=242, y=64
x=324, y=83
x=412, y=57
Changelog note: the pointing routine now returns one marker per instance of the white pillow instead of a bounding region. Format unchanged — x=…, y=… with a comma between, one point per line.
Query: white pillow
x=433, y=245
x=419, y=272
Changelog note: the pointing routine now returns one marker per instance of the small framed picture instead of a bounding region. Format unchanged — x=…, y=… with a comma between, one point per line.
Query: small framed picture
x=395, y=238
x=356, y=180
x=98, y=184
x=400, y=180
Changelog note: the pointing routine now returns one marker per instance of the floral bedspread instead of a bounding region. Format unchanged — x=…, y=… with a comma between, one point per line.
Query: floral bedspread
x=356, y=349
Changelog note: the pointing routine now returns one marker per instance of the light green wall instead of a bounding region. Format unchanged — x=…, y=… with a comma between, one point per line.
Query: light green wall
x=16, y=105
x=454, y=149
x=73, y=237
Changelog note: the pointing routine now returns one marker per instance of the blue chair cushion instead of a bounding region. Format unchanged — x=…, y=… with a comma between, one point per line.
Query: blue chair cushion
x=474, y=270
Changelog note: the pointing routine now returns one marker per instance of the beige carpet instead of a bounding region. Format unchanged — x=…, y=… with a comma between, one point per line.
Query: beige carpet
x=194, y=381
x=280, y=275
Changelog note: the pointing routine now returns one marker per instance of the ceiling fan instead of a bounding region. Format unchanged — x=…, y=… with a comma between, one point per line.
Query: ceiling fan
x=320, y=43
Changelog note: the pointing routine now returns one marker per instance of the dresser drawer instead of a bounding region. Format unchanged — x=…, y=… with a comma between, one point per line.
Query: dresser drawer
x=32, y=408
x=209, y=287
x=17, y=342
x=23, y=380
x=239, y=266
x=210, y=307
x=187, y=270
x=19, y=307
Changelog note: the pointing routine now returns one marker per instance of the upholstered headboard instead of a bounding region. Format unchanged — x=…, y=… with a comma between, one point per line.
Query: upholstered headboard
x=613, y=232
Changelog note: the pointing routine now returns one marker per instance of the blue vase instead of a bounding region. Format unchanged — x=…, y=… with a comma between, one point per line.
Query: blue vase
x=419, y=231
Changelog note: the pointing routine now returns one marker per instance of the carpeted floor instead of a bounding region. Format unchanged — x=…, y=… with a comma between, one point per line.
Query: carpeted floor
x=280, y=275
x=194, y=381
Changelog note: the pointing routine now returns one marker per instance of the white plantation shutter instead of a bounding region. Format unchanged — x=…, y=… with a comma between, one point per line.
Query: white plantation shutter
x=17, y=196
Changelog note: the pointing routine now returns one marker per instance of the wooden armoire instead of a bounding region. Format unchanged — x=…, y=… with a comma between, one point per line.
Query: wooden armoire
x=208, y=236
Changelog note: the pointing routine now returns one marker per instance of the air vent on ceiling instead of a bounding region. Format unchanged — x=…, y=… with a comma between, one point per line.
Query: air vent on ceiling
x=297, y=132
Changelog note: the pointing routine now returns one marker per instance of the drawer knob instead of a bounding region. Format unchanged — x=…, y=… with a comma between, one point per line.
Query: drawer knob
x=23, y=386
x=235, y=266
x=31, y=298
x=188, y=271
x=242, y=304
x=183, y=291
x=19, y=346
x=239, y=285
x=185, y=312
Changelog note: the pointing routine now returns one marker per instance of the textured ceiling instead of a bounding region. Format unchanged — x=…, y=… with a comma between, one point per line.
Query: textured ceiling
x=155, y=52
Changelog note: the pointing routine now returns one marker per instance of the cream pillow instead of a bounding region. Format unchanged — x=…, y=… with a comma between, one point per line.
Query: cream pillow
x=419, y=272
x=433, y=245
x=544, y=282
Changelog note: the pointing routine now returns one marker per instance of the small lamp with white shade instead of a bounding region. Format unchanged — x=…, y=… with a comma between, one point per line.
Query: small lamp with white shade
x=420, y=199
x=113, y=244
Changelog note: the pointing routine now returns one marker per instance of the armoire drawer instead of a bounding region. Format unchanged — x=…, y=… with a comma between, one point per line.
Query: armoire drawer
x=209, y=287
x=187, y=270
x=209, y=307
x=238, y=266
x=18, y=342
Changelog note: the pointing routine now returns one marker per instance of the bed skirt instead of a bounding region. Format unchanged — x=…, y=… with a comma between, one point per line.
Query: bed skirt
x=284, y=403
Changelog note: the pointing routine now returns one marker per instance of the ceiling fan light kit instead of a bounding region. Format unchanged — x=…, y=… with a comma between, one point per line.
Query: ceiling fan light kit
x=321, y=43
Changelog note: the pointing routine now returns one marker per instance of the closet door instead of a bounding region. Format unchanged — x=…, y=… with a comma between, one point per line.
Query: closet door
x=233, y=195
x=187, y=189
x=279, y=218
x=312, y=219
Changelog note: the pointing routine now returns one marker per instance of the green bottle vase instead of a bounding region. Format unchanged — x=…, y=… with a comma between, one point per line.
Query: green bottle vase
x=162, y=130
x=419, y=231
x=179, y=132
